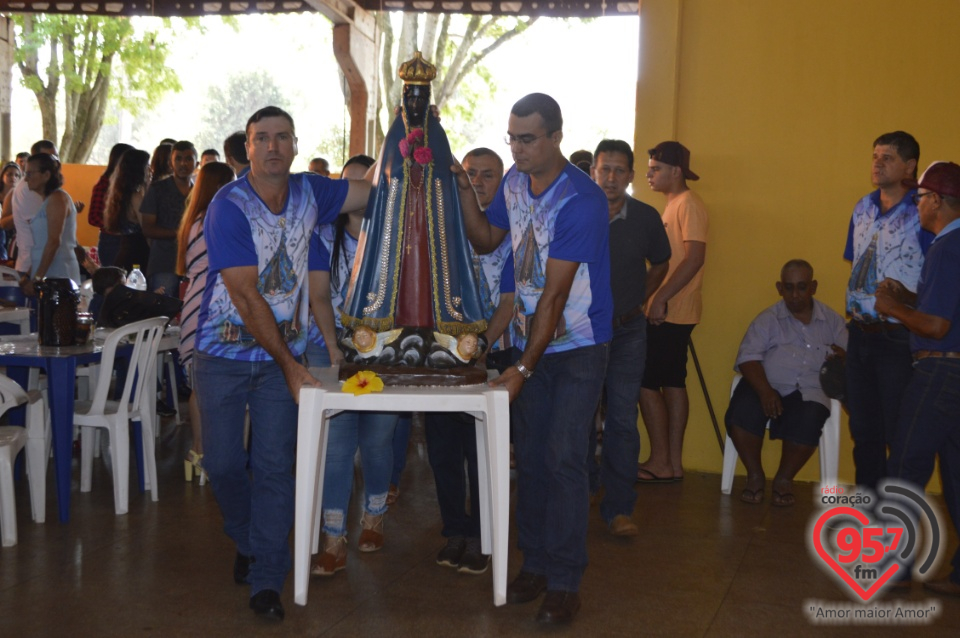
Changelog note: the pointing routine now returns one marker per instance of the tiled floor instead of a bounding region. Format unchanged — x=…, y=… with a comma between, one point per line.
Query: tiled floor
x=703, y=565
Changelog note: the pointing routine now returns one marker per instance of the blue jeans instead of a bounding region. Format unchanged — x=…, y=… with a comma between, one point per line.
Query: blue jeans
x=253, y=488
x=401, y=440
x=108, y=246
x=553, y=415
x=169, y=281
x=451, y=440
x=879, y=366
x=928, y=428
x=372, y=432
x=317, y=355
x=619, y=458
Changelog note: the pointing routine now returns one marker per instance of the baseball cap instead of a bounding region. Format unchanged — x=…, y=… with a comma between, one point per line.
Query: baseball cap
x=674, y=154
x=942, y=178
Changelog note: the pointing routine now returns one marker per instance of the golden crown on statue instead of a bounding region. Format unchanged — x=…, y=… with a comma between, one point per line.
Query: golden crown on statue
x=417, y=70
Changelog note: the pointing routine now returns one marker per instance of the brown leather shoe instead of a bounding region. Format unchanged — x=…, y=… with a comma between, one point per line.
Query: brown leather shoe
x=526, y=587
x=559, y=607
x=621, y=525
x=945, y=587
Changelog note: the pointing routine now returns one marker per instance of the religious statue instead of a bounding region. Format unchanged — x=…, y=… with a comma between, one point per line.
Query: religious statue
x=414, y=268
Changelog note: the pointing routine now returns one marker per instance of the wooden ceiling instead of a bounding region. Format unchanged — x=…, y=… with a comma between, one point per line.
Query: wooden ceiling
x=171, y=8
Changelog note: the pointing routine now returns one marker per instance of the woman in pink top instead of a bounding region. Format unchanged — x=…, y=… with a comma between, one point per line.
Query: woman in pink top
x=192, y=263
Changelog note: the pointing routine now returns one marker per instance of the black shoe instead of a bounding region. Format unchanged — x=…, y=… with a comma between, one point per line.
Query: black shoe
x=473, y=561
x=559, y=607
x=266, y=603
x=241, y=568
x=526, y=587
x=450, y=555
x=164, y=410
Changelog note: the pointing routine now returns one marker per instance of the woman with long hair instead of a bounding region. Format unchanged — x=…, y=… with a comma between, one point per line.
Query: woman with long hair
x=128, y=185
x=54, y=227
x=109, y=243
x=192, y=263
x=160, y=162
x=9, y=177
x=369, y=432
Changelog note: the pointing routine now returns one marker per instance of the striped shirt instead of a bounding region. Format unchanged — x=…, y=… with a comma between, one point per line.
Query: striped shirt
x=197, y=277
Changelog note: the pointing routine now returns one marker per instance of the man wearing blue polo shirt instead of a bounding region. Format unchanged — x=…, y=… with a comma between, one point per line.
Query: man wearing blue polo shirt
x=251, y=336
x=884, y=240
x=557, y=219
x=928, y=425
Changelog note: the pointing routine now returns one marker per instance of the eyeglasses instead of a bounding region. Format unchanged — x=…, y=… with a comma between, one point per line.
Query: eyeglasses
x=522, y=140
x=918, y=196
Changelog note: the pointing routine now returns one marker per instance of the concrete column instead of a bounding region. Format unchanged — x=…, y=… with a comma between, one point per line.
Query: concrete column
x=658, y=76
x=356, y=48
x=6, y=86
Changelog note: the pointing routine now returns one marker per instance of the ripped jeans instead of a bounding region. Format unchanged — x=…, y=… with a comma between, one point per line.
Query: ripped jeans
x=372, y=432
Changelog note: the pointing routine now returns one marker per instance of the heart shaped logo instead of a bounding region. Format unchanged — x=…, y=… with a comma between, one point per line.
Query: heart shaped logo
x=826, y=554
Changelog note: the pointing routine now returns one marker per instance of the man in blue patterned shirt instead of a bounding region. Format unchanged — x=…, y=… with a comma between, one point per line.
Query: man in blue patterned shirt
x=251, y=336
x=557, y=219
x=884, y=241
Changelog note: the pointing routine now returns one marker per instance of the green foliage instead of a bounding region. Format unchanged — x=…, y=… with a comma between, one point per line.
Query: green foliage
x=88, y=61
x=457, y=45
x=333, y=147
x=227, y=107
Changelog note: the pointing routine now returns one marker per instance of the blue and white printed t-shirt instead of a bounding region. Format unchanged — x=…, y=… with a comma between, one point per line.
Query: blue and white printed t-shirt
x=495, y=277
x=242, y=231
x=568, y=221
x=880, y=246
x=324, y=236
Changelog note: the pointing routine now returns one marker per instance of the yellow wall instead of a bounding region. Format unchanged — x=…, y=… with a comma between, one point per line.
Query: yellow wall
x=779, y=103
x=79, y=180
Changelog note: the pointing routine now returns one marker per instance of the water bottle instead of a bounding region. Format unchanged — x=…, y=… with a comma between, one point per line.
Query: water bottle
x=136, y=280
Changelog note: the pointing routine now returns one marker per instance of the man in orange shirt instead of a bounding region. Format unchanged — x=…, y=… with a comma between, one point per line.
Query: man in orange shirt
x=672, y=311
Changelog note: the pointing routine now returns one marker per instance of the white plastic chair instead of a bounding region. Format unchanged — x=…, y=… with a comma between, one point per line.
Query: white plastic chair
x=115, y=416
x=13, y=438
x=9, y=274
x=829, y=448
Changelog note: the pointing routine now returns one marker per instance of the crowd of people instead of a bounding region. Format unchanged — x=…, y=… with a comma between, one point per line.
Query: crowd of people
x=589, y=296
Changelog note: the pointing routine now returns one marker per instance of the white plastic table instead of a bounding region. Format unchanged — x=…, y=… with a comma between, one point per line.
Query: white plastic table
x=490, y=407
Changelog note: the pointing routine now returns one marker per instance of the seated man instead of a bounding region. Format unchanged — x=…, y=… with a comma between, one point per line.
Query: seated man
x=780, y=359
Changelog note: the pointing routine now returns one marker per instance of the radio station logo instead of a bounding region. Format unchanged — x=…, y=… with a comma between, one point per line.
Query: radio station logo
x=868, y=542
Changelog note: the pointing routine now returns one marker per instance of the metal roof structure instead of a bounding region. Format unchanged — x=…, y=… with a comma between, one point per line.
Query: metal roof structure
x=193, y=8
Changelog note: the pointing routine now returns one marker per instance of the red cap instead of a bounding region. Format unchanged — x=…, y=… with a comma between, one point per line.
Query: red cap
x=942, y=178
x=674, y=154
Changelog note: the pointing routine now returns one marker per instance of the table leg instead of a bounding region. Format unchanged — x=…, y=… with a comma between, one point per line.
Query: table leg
x=498, y=402
x=61, y=372
x=309, y=427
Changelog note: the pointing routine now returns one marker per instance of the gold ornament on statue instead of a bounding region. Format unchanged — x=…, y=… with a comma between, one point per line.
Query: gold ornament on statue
x=417, y=70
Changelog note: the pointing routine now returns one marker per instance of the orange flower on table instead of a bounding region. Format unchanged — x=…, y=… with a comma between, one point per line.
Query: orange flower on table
x=363, y=382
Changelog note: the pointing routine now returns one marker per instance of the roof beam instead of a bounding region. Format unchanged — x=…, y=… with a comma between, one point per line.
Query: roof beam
x=339, y=11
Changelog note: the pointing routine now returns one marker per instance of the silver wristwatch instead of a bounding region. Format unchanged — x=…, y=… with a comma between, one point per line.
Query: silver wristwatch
x=522, y=369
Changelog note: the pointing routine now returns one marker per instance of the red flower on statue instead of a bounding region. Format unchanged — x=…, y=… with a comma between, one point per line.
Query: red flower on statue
x=423, y=155
x=413, y=144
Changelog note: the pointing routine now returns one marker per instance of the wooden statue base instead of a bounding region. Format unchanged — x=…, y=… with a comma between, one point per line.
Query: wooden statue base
x=418, y=376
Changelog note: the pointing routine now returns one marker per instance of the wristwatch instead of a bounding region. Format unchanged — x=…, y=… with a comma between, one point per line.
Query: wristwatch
x=524, y=370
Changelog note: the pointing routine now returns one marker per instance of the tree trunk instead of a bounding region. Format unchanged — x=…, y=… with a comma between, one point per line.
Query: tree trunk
x=428, y=45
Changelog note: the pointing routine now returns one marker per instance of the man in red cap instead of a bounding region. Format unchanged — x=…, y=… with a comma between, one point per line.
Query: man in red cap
x=928, y=424
x=673, y=310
